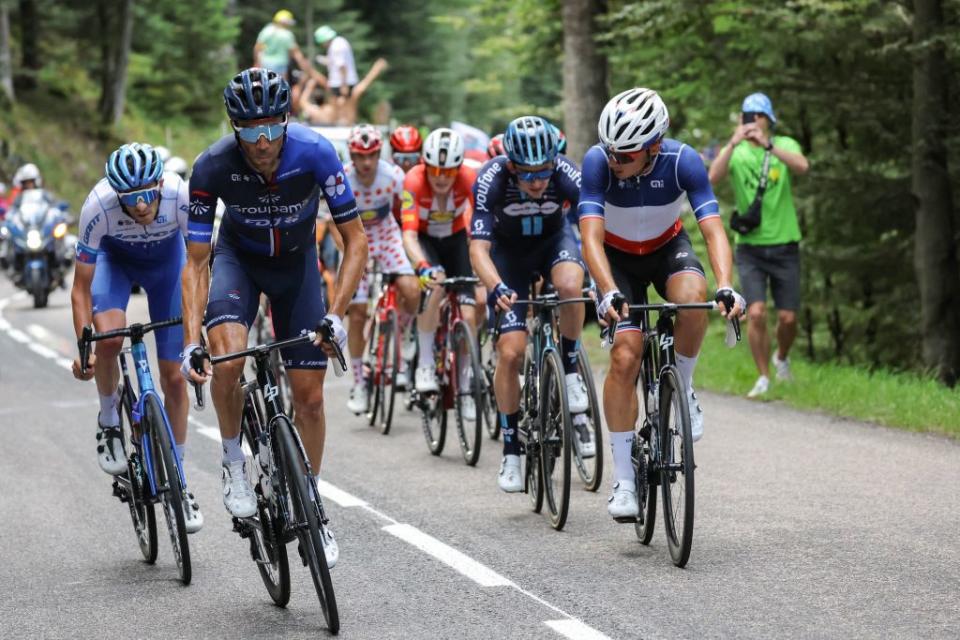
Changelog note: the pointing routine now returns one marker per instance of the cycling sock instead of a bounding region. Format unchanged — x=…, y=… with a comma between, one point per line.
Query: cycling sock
x=231, y=450
x=508, y=427
x=357, y=365
x=569, y=349
x=426, y=348
x=109, y=416
x=621, y=443
x=181, y=448
x=686, y=364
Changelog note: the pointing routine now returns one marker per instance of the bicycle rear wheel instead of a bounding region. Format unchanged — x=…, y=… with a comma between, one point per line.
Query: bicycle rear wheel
x=676, y=465
x=433, y=416
x=556, y=432
x=646, y=492
x=589, y=469
x=388, y=365
x=467, y=382
x=372, y=372
x=166, y=472
x=306, y=523
x=488, y=367
x=142, y=513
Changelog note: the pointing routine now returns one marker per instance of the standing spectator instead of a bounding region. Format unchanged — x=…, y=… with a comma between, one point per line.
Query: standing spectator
x=341, y=68
x=768, y=232
x=277, y=45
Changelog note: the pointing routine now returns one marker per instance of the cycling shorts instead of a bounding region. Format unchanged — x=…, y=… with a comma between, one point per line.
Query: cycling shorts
x=386, y=249
x=517, y=264
x=633, y=273
x=114, y=277
x=452, y=254
x=291, y=282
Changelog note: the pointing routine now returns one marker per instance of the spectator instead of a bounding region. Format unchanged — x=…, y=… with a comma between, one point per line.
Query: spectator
x=341, y=68
x=276, y=45
x=341, y=111
x=768, y=233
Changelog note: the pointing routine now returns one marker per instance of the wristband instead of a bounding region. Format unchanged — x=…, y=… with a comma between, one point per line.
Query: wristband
x=769, y=146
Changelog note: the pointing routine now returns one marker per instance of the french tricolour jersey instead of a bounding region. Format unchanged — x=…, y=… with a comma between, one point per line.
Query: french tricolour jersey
x=269, y=218
x=104, y=226
x=377, y=201
x=642, y=214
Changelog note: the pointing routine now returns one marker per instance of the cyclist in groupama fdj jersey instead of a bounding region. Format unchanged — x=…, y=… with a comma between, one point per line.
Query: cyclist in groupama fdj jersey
x=132, y=230
x=270, y=176
x=633, y=188
x=518, y=228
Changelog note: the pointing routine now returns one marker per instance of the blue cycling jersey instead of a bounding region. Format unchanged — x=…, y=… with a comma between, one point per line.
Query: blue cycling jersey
x=269, y=218
x=642, y=214
x=504, y=212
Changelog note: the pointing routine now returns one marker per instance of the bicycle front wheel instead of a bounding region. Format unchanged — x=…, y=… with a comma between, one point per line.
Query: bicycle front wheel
x=388, y=366
x=488, y=366
x=306, y=521
x=166, y=472
x=588, y=428
x=468, y=386
x=556, y=433
x=142, y=513
x=676, y=465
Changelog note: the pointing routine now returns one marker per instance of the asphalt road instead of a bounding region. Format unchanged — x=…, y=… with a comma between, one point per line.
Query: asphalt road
x=806, y=527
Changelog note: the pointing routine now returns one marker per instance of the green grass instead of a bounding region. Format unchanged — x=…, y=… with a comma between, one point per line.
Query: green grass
x=901, y=400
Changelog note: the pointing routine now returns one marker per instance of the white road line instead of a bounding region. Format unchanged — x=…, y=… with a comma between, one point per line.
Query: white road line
x=481, y=574
x=575, y=630
x=338, y=495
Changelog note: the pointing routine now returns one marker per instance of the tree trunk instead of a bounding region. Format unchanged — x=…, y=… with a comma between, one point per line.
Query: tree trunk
x=311, y=49
x=115, y=73
x=935, y=243
x=30, y=56
x=584, y=75
x=6, y=64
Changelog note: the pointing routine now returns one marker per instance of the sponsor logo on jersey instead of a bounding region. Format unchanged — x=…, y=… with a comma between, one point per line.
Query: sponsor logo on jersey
x=442, y=217
x=406, y=200
x=269, y=198
x=241, y=177
x=483, y=183
x=656, y=184
x=90, y=227
x=368, y=215
x=335, y=185
x=233, y=294
x=291, y=172
x=198, y=208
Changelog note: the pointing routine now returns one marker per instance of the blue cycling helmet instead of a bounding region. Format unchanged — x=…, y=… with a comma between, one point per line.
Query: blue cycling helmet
x=133, y=166
x=561, y=139
x=530, y=141
x=256, y=93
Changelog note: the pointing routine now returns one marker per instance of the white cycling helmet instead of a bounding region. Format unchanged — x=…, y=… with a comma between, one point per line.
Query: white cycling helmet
x=28, y=171
x=163, y=152
x=443, y=148
x=178, y=165
x=633, y=120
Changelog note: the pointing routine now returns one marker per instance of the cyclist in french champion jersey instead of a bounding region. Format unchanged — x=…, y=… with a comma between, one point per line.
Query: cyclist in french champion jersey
x=378, y=186
x=132, y=230
x=519, y=229
x=270, y=176
x=632, y=193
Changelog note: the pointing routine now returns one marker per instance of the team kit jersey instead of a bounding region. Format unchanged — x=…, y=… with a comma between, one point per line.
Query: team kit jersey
x=433, y=216
x=379, y=208
x=527, y=236
x=267, y=239
x=125, y=253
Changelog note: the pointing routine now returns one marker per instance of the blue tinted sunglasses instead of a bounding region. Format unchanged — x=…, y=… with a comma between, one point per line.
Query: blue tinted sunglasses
x=270, y=131
x=132, y=198
x=401, y=158
x=530, y=176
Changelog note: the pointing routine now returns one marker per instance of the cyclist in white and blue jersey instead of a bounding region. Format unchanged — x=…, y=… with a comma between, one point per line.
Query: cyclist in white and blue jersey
x=132, y=230
x=632, y=193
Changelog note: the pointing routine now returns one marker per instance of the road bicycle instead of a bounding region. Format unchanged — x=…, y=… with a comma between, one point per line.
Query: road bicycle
x=262, y=333
x=154, y=470
x=383, y=357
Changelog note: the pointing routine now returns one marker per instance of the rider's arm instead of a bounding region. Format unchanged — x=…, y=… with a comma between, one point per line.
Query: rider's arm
x=718, y=250
x=482, y=263
x=92, y=226
x=410, y=223
x=594, y=182
x=353, y=264
x=692, y=178
x=487, y=194
x=196, y=273
x=80, y=297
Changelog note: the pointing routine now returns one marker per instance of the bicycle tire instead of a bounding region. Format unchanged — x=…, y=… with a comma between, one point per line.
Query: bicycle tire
x=490, y=400
x=295, y=471
x=676, y=476
x=532, y=478
x=590, y=470
x=646, y=493
x=266, y=541
x=142, y=513
x=464, y=343
x=556, y=434
x=433, y=418
x=167, y=476
x=389, y=365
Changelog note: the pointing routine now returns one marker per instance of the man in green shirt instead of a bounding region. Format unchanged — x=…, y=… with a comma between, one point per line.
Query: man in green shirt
x=277, y=45
x=770, y=252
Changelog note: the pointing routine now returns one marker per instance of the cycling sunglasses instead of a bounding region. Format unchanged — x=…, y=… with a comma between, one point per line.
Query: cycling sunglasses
x=270, y=131
x=622, y=157
x=403, y=158
x=530, y=176
x=132, y=198
x=449, y=172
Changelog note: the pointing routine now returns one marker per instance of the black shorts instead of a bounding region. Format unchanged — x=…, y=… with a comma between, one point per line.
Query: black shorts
x=778, y=264
x=633, y=274
x=336, y=91
x=452, y=254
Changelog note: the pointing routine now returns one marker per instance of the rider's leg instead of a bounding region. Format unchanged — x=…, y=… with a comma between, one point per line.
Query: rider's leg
x=506, y=384
x=175, y=400
x=357, y=314
x=307, y=387
x=691, y=326
x=620, y=404
x=225, y=385
x=409, y=299
x=567, y=278
x=427, y=324
x=107, y=370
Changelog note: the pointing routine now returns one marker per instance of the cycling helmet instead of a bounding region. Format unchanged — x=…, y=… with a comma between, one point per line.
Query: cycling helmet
x=178, y=165
x=561, y=139
x=443, y=148
x=495, y=148
x=133, y=166
x=28, y=171
x=406, y=139
x=633, y=120
x=364, y=139
x=530, y=141
x=256, y=93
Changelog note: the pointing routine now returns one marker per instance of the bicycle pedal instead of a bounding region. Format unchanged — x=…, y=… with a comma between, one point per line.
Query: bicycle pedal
x=626, y=519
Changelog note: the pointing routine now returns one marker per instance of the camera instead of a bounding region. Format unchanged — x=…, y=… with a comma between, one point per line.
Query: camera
x=749, y=117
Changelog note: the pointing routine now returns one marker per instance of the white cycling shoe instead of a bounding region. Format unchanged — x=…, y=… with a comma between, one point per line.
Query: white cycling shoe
x=359, y=401
x=622, y=504
x=192, y=518
x=426, y=380
x=510, y=480
x=110, y=452
x=331, y=550
x=696, y=416
x=577, y=400
x=468, y=408
x=402, y=381
x=238, y=496
x=585, y=442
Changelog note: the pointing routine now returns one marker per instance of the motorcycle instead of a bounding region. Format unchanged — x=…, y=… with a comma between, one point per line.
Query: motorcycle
x=35, y=249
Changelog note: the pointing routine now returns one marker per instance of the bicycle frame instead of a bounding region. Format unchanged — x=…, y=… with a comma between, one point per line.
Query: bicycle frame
x=450, y=315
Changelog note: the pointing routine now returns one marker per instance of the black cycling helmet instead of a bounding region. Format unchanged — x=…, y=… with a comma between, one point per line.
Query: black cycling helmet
x=256, y=93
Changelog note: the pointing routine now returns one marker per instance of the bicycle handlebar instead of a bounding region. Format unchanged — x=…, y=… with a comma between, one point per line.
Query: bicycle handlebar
x=733, y=335
x=136, y=329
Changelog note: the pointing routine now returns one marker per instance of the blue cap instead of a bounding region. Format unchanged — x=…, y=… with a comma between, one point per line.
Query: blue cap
x=759, y=103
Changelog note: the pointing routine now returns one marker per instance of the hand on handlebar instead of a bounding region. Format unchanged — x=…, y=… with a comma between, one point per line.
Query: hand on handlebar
x=429, y=274
x=195, y=366
x=732, y=304
x=502, y=297
x=84, y=373
x=336, y=333
x=612, y=308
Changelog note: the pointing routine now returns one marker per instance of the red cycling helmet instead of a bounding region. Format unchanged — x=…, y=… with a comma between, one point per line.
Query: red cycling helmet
x=365, y=139
x=495, y=148
x=406, y=139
